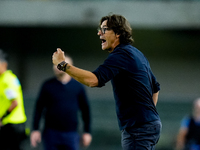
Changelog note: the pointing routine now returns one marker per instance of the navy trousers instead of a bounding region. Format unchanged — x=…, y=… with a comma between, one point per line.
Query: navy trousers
x=142, y=137
x=58, y=140
x=12, y=136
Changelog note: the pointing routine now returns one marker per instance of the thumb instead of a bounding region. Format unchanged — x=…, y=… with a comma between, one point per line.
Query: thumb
x=59, y=50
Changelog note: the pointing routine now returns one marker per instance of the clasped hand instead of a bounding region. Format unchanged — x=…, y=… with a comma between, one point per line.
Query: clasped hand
x=58, y=57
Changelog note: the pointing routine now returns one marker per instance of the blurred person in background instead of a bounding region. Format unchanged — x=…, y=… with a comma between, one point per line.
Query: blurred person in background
x=189, y=133
x=134, y=85
x=12, y=113
x=61, y=97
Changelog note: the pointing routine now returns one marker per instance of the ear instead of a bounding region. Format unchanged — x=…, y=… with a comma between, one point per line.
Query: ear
x=3, y=67
x=117, y=35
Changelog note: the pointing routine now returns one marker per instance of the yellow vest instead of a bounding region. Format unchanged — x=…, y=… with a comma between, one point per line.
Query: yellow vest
x=10, y=89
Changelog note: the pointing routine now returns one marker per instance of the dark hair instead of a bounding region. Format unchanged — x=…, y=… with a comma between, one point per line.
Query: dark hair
x=3, y=56
x=120, y=26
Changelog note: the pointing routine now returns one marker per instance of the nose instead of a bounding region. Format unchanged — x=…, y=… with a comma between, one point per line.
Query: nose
x=99, y=32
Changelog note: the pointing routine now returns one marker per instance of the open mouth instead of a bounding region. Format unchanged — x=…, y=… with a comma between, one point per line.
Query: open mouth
x=103, y=41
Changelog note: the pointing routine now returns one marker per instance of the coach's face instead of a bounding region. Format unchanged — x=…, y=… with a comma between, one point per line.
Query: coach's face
x=57, y=72
x=108, y=37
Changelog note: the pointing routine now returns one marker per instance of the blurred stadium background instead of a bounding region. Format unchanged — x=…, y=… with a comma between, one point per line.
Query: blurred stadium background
x=166, y=31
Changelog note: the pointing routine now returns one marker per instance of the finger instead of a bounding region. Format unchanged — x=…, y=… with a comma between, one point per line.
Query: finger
x=39, y=140
x=59, y=50
x=85, y=143
x=33, y=143
x=55, y=52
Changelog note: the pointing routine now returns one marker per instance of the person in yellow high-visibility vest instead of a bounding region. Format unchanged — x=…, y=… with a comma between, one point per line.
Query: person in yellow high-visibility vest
x=12, y=112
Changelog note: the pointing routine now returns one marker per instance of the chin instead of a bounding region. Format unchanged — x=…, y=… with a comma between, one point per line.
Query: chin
x=105, y=48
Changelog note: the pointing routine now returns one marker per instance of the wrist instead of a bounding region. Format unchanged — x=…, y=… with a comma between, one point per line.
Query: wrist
x=62, y=66
x=6, y=114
